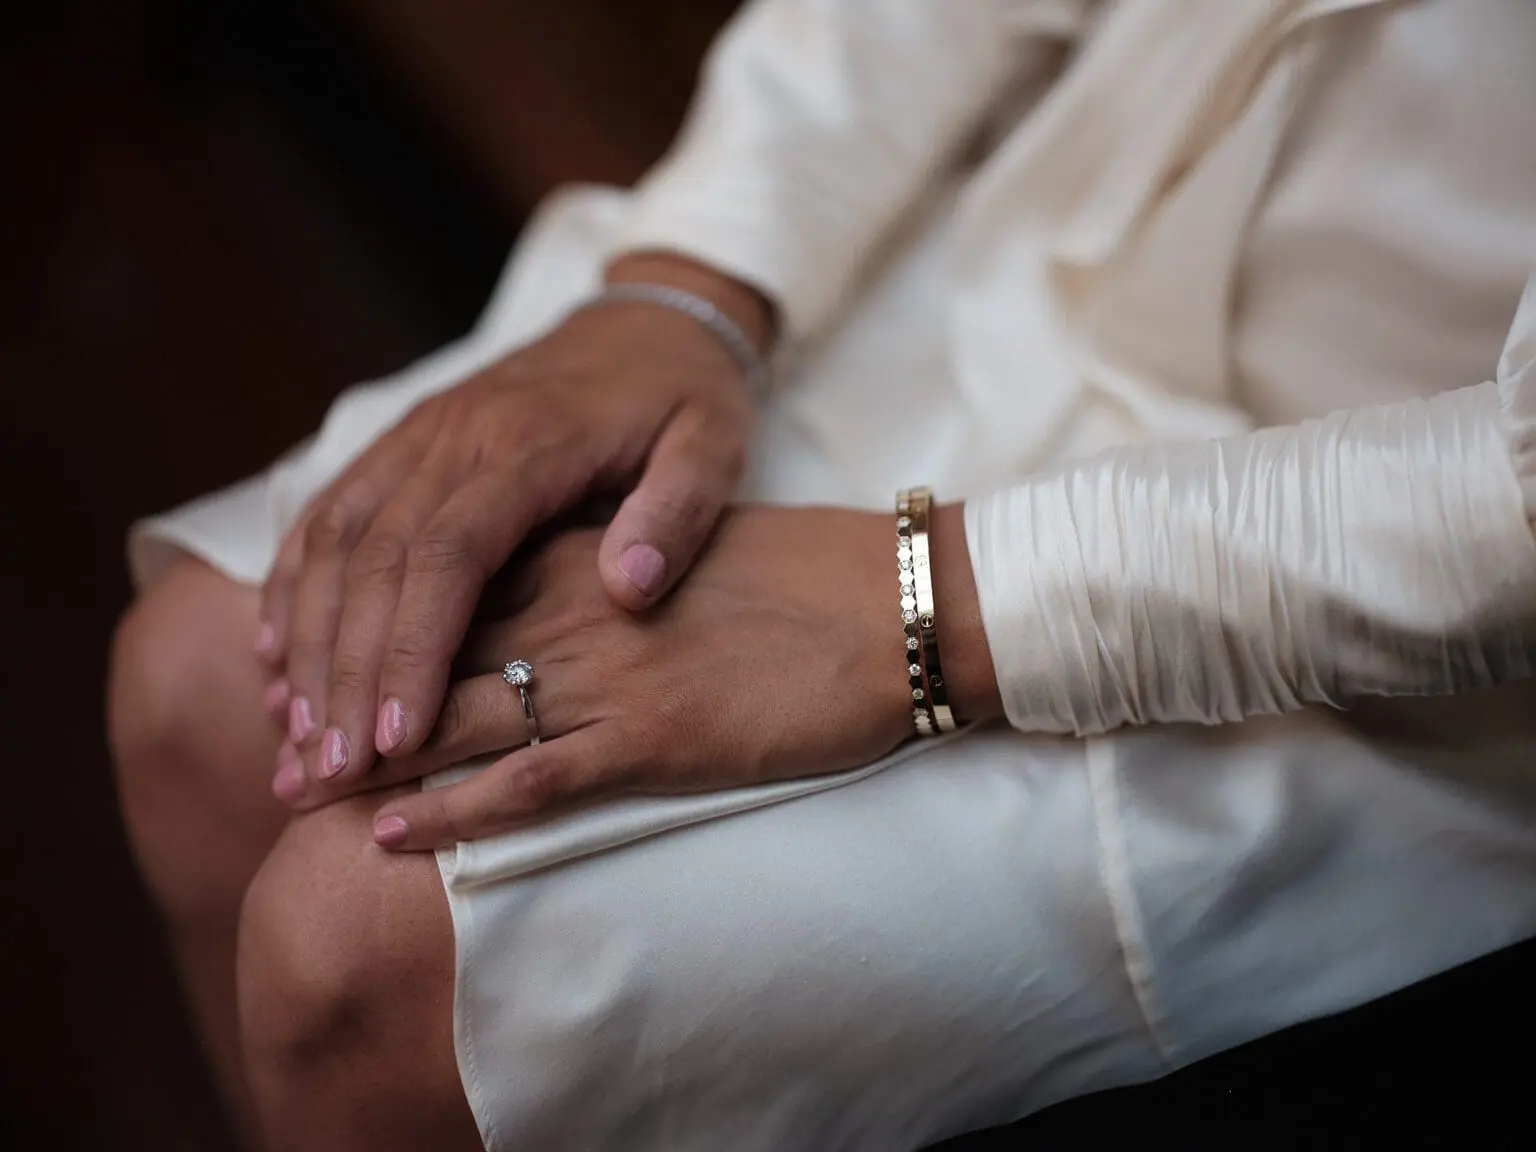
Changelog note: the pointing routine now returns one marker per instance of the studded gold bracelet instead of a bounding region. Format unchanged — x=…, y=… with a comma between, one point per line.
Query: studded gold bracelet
x=925, y=673
x=922, y=717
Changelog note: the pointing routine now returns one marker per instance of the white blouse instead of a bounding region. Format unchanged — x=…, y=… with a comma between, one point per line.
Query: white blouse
x=1222, y=214
x=1243, y=211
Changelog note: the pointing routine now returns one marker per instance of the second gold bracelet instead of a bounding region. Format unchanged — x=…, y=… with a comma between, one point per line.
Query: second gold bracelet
x=913, y=506
x=922, y=714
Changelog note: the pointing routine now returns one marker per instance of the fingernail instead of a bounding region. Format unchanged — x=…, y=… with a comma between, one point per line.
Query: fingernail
x=288, y=784
x=301, y=720
x=333, y=753
x=390, y=831
x=644, y=567
x=275, y=699
x=390, y=733
x=266, y=640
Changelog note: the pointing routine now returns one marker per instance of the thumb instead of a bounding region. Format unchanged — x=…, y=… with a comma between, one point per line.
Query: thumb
x=658, y=531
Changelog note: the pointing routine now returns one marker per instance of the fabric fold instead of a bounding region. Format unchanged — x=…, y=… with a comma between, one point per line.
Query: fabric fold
x=1380, y=551
x=625, y=820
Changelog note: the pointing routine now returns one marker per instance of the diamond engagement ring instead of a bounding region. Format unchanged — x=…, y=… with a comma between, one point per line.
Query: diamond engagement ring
x=519, y=674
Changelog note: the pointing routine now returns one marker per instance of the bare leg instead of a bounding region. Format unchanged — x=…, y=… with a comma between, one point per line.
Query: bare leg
x=194, y=757
x=346, y=974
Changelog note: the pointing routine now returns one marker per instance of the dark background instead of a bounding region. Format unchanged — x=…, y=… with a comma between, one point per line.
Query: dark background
x=217, y=214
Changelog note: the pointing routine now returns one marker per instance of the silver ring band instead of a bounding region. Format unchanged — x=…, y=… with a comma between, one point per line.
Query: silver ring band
x=519, y=674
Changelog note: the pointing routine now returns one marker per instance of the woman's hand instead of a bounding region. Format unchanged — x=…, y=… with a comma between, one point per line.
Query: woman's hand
x=374, y=589
x=781, y=656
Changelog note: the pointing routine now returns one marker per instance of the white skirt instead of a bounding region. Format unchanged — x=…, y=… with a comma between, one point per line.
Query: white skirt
x=952, y=938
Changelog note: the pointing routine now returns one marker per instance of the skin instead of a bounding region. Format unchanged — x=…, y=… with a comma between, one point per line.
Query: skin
x=657, y=703
x=391, y=589
x=319, y=968
x=341, y=1034
x=375, y=587
x=191, y=749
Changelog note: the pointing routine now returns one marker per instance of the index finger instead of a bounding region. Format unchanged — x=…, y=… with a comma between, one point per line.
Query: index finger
x=587, y=764
x=275, y=613
x=466, y=542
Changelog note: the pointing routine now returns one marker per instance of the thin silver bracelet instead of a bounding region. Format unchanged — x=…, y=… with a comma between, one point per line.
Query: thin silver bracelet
x=754, y=368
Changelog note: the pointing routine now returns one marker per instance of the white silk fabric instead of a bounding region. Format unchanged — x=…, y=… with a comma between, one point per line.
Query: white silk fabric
x=1072, y=297
x=1381, y=551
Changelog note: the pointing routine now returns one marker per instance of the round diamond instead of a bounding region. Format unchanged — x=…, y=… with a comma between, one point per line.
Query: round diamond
x=917, y=693
x=911, y=643
x=914, y=670
x=903, y=522
x=518, y=673
x=909, y=616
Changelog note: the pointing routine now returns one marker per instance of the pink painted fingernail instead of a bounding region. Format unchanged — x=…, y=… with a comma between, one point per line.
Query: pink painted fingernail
x=266, y=640
x=644, y=567
x=390, y=831
x=333, y=753
x=275, y=698
x=288, y=784
x=301, y=720
x=390, y=733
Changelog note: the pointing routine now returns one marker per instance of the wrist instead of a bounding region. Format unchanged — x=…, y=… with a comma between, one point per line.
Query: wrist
x=746, y=307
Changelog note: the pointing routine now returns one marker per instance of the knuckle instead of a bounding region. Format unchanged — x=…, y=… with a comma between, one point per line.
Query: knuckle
x=427, y=413
x=451, y=825
x=591, y=614
x=334, y=527
x=631, y=757
x=458, y=417
x=441, y=551
x=689, y=510
x=441, y=816
x=407, y=652
x=289, y=560
x=348, y=680
x=632, y=765
x=715, y=441
x=732, y=462
x=305, y=651
x=694, y=424
x=452, y=721
x=538, y=783
x=379, y=559
x=555, y=425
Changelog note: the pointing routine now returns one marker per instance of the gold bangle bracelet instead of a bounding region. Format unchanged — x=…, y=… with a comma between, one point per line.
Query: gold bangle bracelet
x=922, y=715
x=919, y=501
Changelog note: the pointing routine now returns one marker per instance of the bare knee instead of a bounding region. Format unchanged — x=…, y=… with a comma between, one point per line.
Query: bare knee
x=169, y=655
x=345, y=979
x=183, y=707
